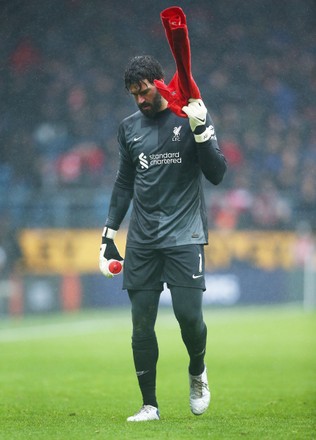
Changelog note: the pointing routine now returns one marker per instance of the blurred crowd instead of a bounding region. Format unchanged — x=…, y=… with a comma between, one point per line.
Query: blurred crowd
x=62, y=97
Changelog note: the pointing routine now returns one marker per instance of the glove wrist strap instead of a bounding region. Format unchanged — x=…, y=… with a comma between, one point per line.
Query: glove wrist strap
x=205, y=136
x=109, y=233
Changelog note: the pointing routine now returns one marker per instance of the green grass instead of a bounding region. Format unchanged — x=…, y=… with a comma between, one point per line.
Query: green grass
x=72, y=377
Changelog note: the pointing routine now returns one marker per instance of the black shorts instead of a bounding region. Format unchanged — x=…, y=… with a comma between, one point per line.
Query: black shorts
x=148, y=269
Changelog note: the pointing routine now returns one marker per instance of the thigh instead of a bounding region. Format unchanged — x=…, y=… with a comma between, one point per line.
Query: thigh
x=144, y=309
x=142, y=269
x=187, y=304
x=184, y=266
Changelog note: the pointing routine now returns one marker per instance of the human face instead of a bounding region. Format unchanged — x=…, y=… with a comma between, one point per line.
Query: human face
x=147, y=98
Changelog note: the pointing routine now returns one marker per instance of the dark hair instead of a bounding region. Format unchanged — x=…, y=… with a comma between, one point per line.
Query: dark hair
x=142, y=67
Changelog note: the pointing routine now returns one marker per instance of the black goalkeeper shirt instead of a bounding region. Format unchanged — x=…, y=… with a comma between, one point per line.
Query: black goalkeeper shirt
x=161, y=168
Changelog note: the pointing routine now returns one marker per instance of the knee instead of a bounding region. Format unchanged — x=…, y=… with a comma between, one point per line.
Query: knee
x=188, y=320
x=144, y=340
x=143, y=326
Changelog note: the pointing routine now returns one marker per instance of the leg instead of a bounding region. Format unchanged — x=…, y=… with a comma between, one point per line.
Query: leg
x=144, y=343
x=187, y=306
x=185, y=267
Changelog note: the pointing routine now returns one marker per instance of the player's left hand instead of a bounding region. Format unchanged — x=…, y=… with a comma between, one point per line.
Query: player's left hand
x=196, y=112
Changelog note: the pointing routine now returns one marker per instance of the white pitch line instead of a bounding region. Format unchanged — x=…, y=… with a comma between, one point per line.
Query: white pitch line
x=53, y=330
x=88, y=326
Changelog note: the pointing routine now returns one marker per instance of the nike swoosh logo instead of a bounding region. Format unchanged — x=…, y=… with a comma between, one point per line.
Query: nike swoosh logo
x=137, y=138
x=200, y=354
x=196, y=276
x=141, y=373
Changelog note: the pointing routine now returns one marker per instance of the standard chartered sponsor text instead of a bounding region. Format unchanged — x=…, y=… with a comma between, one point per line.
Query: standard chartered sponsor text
x=165, y=158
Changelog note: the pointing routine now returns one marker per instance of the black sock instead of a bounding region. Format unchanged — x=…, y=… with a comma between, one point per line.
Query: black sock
x=145, y=353
x=196, y=345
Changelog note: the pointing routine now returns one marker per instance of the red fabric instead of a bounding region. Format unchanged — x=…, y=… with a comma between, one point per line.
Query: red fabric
x=182, y=86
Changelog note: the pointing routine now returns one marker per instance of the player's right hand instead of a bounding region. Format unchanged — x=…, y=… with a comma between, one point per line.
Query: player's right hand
x=109, y=254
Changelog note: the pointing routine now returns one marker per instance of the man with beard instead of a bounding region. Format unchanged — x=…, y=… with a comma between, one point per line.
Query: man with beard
x=162, y=160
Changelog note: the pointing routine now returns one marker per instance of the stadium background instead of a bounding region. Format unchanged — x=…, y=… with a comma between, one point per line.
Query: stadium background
x=62, y=97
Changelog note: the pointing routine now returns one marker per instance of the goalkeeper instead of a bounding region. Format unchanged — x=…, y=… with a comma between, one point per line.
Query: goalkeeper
x=162, y=159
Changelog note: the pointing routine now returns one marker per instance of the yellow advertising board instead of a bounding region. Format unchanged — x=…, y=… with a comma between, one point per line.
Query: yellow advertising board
x=63, y=251
x=77, y=251
x=262, y=249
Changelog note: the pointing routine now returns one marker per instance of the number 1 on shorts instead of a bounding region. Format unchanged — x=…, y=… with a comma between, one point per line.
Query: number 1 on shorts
x=200, y=263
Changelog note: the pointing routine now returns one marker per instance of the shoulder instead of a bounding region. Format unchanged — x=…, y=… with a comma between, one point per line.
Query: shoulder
x=131, y=119
x=127, y=125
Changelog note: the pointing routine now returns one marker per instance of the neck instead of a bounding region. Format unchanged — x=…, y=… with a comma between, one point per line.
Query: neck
x=164, y=104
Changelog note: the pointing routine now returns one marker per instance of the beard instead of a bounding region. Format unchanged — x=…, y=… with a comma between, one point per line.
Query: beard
x=151, y=109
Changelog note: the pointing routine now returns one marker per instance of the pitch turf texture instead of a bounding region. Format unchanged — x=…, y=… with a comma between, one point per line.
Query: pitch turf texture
x=71, y=377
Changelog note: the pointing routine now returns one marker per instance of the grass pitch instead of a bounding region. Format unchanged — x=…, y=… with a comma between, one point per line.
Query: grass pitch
x=72, y=377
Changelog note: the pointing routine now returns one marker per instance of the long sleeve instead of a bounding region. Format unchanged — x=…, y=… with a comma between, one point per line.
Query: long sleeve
x=123, y=188
x=119, y=204
x=212, y=161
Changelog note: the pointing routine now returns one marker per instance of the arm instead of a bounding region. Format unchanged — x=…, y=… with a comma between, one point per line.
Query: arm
x=123, y=187
x=212, y=161
x=120, y=200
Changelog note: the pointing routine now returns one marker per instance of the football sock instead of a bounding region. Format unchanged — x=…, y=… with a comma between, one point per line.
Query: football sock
x=145, y=353
x=196, y=345
x=187, y=305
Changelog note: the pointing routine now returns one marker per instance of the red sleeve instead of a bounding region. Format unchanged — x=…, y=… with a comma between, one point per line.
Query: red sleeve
x=182, y=86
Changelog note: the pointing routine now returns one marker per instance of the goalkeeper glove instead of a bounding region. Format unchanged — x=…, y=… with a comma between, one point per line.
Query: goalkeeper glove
x=197, y=112
x=110, y=261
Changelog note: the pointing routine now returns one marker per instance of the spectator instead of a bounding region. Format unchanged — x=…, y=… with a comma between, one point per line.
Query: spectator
x=269, y=209
x=58, y=89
